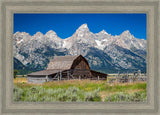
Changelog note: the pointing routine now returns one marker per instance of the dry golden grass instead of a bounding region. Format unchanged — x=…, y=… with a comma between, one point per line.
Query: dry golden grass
x=76, y=82
x=80, y=81
x=73, y=82
x=20, y=80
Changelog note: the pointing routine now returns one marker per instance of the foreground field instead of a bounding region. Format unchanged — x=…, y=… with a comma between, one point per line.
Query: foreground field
x=79, y=90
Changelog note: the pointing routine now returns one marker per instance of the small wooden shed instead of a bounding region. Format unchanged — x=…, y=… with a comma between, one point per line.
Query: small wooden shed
x=66, y=68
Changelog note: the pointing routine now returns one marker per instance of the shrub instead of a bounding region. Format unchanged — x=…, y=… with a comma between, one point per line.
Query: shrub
x=50, y=92
x=92, y=96
x=89, y=96
x=62, y=97
x=73, y=89
x=71, y=94
x=17, y=94
x=74, y=97
x=125, y=97
x=78, y=91
x=35, y=94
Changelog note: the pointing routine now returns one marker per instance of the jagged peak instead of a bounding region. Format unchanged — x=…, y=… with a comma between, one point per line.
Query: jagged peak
x=22, y=33
x=17, y=32
x=83, y=26
x=51, y=32
x=38, y=34
x=127, y=32
x=103, y=32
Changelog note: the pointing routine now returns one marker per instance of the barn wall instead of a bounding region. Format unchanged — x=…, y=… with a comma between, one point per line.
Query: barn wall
x=36, y=80
x=81, y=73
x=50, y=78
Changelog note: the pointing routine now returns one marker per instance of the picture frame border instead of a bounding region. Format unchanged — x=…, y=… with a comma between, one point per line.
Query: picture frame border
x=9, y=7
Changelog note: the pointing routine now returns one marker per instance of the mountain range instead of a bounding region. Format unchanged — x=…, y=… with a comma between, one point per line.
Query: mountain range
x=104, y=52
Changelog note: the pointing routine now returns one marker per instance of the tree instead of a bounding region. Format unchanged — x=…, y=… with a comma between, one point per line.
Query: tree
x=15, y=73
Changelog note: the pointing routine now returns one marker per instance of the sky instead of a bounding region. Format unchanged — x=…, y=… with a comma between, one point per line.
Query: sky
x=65, y=25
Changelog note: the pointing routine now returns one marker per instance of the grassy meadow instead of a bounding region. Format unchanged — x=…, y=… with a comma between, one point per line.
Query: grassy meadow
x=79, y=91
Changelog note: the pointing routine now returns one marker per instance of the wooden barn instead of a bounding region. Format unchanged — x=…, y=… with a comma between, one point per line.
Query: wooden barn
x=66, y=68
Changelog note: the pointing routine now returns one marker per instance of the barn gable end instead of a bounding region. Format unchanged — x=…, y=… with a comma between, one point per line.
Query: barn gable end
x=80, y=63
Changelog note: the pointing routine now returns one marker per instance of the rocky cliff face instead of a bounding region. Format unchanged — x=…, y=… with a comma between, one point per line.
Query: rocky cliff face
x=103, y=51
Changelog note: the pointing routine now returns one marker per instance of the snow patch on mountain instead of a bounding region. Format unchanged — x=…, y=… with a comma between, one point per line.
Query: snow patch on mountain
x=99, y=45
x=19, y=41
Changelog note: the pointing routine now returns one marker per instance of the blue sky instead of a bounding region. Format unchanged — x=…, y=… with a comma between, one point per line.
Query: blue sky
x=66, y=24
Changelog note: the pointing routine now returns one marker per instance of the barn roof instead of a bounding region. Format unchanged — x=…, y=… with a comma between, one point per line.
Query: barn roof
x=45, y=72
x=62, y=62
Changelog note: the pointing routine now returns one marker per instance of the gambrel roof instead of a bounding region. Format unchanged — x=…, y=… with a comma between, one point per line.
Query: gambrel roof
x=63, y=62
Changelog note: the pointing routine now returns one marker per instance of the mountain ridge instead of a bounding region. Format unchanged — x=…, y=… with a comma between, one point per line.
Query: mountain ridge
x=36, y=50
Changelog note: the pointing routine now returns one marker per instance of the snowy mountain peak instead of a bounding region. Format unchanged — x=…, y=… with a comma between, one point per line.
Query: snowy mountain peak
x=82, y=32
x=126, y=33
x=51, y=34
x=20, y=36
x=103, y=32
x=17, y=33
x=83, y=27
x=20, y=33
x=38, y=35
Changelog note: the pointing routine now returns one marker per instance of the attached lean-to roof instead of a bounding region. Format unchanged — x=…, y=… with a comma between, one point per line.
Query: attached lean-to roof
x=45, y=72
x=92, y=71
x=61, y=62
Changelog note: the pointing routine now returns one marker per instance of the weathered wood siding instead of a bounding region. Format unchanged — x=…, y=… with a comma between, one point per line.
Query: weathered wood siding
x=38, y=79
x=81, y=64
x=81, y=73
x=80, y=68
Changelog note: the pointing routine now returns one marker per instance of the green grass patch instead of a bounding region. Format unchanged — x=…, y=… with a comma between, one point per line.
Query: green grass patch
x=78, y=91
